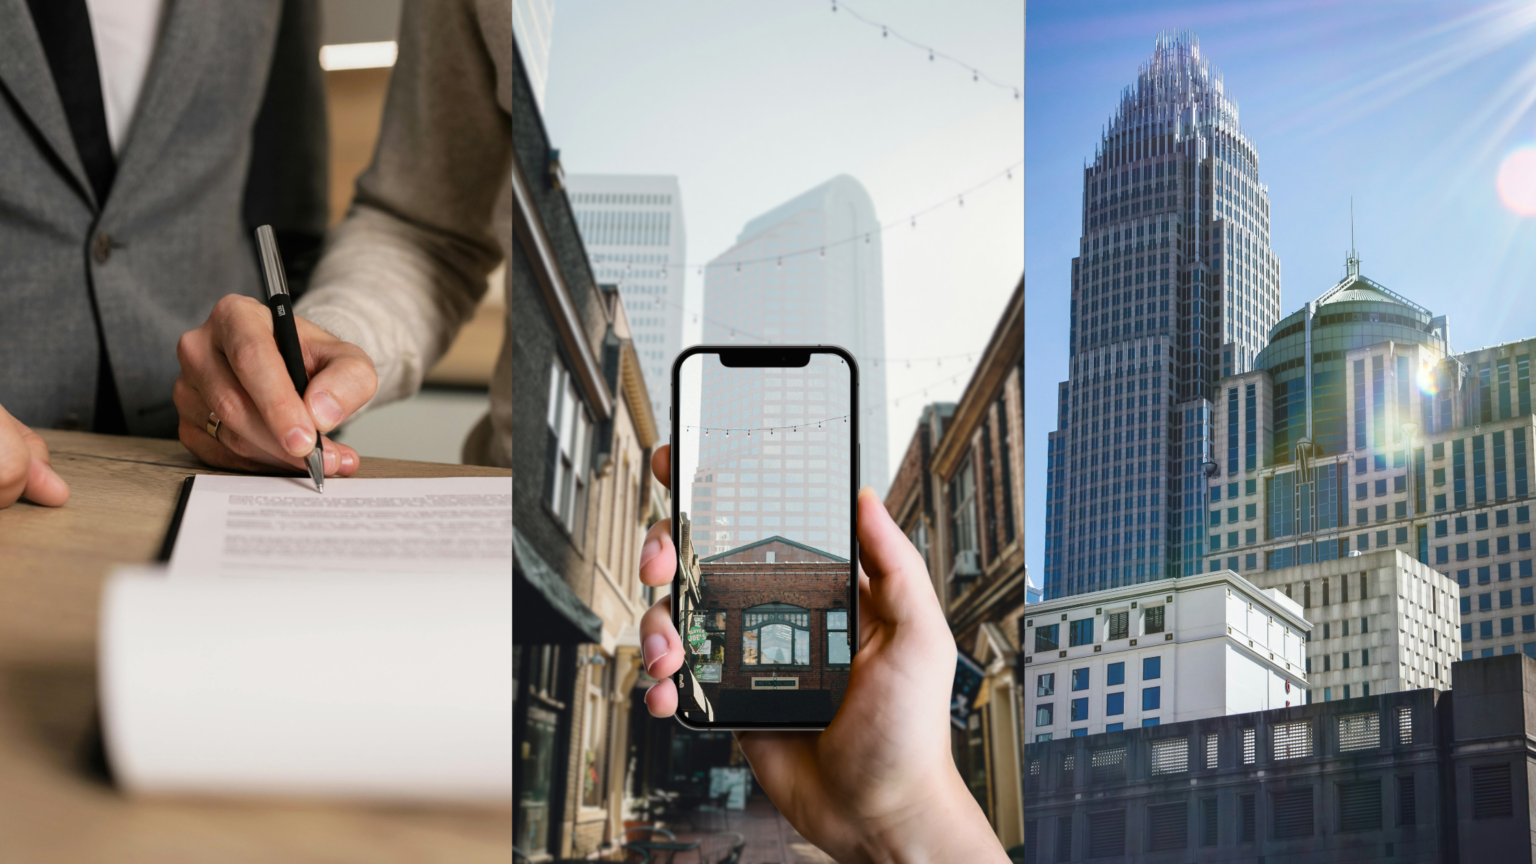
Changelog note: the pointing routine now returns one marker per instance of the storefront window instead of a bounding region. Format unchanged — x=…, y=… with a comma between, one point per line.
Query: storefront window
x=776, y=634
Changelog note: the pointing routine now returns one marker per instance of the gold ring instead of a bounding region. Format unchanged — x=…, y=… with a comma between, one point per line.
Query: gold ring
x=213, y=425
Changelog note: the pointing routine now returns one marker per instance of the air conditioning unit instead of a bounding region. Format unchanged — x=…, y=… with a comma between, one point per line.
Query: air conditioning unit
x=967, y=565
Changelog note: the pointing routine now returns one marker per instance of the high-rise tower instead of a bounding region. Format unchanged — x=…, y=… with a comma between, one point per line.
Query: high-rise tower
x=632, y=226
x=1174, y=285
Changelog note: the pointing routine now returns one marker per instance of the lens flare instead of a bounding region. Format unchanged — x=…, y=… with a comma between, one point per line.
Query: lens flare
x=1517, y=181
x=1427, y=384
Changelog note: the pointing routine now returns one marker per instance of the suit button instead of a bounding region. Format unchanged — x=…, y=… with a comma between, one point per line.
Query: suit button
x=103, y=247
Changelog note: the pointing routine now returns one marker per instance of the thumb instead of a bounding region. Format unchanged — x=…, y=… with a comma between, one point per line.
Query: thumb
x=898, y=578
x=343, y=382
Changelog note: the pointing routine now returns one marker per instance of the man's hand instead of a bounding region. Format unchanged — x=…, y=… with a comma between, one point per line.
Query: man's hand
x=25, y=471
x=879, y=783
x=231, y=367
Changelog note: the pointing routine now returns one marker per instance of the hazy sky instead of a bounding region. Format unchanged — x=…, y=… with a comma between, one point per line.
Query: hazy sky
x=1412, y=107
x=751, y=103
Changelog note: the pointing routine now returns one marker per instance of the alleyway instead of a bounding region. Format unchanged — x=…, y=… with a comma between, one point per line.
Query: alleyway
x=770, y=839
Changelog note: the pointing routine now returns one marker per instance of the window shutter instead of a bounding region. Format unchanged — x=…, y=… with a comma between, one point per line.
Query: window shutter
x=1360, y=806
x=1359, y=731
x=1170, y=756
x=1249, y=825
x=1109, y=765
x=1292, y=740
x=1170, y=826
x=1249, y=741
x=1211, y=762
x=1208, y=813
x=1407, y=801
x=1404, y=725
x=1293, y=813
x=1492, y=792
x=1106, y=833
x=1064, y=838
x=1031, y=841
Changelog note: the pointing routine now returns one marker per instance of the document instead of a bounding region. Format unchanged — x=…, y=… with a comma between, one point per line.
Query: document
x=393, y=687
x=242, y=525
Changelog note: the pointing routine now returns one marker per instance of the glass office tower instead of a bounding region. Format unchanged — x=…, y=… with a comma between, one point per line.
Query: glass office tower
x=1174, y=273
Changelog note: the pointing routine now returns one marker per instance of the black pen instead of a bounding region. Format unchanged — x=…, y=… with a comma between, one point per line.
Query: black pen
x=287, y=334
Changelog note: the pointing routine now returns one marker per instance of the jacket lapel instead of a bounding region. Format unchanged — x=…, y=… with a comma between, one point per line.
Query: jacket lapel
x=24, y=74
x=173, y=77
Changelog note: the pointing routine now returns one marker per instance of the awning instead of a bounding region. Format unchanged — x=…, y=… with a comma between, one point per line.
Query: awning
x=545, y=611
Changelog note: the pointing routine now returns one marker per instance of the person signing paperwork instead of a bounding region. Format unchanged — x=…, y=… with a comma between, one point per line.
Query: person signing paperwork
x=399, y=276
x=879, y=783
x=142, y=140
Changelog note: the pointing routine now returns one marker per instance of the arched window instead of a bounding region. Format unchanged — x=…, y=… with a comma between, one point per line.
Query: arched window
x=776, y=634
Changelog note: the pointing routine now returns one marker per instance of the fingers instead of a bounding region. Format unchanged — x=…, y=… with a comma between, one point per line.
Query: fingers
x=662, y=653
x=899, y=584
x=343, y=381
x=242, y=333
x=15, y=460
x=661, y=464
x=658, y=557
x=43, y=485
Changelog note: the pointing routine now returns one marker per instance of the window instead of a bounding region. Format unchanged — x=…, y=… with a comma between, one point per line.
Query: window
x=1119, y=625
x=1208, y=822
x=1248, y=818
x=1150, y=721
x=1045, y=637
x=1080, y=632
x=569, y=429
x=1151, y=668
x=1108, y=764
x=594, y=767
x=1293, y=813
x=1360, y=806
x=837, y=637
x=1045, y=685
x=1080, y=679
x=1114, y=727
x=1151, y=698
x=1492, y=791
x=775, y=634
x=962, y=496
x=1044, y=714
x=1154, y=619
x=1114, y=704
x=1407, y=801
x=1359, y=731
x=1106, y=833
x=1292, y=740
x=1115, y=673
x=1079, y=709
x=1404, y=725
x=1211, y=740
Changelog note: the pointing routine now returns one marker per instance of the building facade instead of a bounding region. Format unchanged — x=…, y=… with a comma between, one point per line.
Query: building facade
x=959, y=497
x=807, y=272
x=1174, y=263
x=1421, y=776
x=1359, y=430
x=583, y=501
x=1144, y=655
x=533, y=25
x=632, y=227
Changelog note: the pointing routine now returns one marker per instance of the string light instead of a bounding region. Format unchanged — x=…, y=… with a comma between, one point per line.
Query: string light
x=886, y=32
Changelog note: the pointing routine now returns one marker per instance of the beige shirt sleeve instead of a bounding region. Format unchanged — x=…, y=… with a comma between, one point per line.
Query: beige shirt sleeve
x=409, y=264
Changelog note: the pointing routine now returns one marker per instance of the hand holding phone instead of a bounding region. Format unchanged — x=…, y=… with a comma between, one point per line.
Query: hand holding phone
x=879, y=783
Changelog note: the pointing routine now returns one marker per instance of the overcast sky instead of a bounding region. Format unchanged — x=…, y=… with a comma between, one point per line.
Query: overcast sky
x=751, y=103
x=1412, y=107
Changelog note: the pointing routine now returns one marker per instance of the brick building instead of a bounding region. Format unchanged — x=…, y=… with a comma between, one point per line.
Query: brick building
x=1422, y=776
x=959, y=496
x=769, y=638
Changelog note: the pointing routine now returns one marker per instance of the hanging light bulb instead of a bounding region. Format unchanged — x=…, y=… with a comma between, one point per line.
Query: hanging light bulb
x=866, y=239
x=781, y=262
x=962, y=200
x=823, y=251
x=975, y=76
x=930, y=55
x=883, y=34
x=914, y=221
x=1010, y=173
x=1015, y=93
x=738, y=266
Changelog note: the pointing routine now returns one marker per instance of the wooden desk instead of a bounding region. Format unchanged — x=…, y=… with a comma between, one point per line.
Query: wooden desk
x=51, y=810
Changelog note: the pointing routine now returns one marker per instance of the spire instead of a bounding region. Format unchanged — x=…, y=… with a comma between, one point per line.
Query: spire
x=1352, y=263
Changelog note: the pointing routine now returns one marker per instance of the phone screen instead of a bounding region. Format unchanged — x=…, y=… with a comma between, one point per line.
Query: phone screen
x=765, y=464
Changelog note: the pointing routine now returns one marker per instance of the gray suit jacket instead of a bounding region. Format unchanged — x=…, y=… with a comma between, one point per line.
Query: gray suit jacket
x=173, y=235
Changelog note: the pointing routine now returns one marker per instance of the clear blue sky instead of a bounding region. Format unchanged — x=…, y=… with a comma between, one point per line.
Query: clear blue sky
x=1410, y=106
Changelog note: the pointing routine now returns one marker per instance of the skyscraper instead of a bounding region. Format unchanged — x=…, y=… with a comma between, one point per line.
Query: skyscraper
x=533, y=23
x=1174, y=272
x=808, y=272
x=632, y=226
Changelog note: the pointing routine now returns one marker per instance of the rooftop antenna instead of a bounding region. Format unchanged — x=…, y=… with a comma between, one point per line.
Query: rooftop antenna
x=1352, y=263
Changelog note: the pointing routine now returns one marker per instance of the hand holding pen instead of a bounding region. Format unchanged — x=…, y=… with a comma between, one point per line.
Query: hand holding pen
x=239, y=404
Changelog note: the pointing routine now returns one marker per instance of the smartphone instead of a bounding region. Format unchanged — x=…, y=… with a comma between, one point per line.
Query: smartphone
x=765, y=473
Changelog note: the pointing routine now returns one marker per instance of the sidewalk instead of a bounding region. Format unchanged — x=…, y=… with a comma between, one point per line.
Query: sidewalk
x=770, y=839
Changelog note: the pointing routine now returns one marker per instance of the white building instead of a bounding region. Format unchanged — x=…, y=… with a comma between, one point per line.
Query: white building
x=632, y=226
x=1177, y=649
x=533, y=23
x=1381, y=623
x=805, y=272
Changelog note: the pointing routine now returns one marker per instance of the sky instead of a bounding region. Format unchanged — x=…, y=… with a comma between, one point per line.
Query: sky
x=1423, y=112
x=752, y=103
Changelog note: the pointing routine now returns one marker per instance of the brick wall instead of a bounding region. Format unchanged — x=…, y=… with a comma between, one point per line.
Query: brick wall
x=816, y=587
